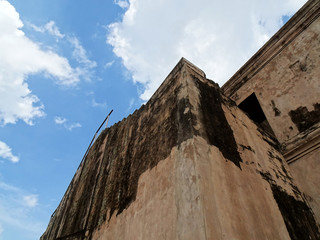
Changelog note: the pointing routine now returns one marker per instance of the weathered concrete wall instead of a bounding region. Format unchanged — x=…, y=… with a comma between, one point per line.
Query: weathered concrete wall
x=285, y=77
x=152, y=214
x=286, y=80
x=187, y=165
x=307, y=173
x=303, y=156
x=107, y=181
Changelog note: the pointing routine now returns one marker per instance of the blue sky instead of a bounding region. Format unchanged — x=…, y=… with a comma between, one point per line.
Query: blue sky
x=65, y=64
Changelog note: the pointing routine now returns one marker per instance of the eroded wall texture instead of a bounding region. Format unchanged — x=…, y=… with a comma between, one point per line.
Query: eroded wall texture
x=284, y=75
x=187, y=165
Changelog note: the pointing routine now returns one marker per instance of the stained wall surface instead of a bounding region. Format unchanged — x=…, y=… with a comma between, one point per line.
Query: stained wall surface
x=285, y=77
x=187, y=165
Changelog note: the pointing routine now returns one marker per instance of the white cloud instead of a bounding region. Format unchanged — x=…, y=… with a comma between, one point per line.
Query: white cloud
x=50, y=28
x=70, y=126
x=19, y=58
x=217, y=36
x=122, y=3
x=66, y=123
x=1, y=229
x=94, y=103
x=6, y=153
x=17, y=208
x=60, y=120
x=30, y=200
x=108, y=64
x=80, y=54
x=131, y=103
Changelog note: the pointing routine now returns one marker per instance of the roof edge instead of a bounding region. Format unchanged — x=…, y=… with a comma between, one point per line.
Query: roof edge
x=183, y=62
x=300, y=21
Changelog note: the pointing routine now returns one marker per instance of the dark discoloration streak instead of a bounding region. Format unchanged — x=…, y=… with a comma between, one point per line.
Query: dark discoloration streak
x=304, y=119
x=218, y=130
x=143, y=150
x=297, y=215
x=266, y=176
x=133, y=146
x=109, y=177
x=277, y=112
x=272, y=141
x=302, y=65
x=271, y=155
x=247, y=148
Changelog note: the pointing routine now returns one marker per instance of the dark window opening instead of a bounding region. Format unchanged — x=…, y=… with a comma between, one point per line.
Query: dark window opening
x=253, y=109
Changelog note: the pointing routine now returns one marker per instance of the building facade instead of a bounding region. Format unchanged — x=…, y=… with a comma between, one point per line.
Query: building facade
x=200, y=162
x=280, y=87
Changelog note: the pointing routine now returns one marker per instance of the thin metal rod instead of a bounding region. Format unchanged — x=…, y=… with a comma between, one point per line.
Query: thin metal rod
x=104, y=121
x=94, y=137
x=94, y=187
x=85, y=155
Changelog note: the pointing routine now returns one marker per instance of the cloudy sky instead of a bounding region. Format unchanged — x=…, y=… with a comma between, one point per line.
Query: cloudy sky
x=65, y=64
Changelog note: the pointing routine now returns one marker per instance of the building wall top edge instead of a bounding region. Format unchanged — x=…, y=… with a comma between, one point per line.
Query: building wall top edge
x=295, y=25
x=182, y=63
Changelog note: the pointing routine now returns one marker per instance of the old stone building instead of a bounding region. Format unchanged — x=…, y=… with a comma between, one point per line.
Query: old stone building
x=200, y=162
x=280, y=87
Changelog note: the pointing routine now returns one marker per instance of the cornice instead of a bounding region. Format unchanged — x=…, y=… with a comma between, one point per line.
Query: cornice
x=291, y=30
